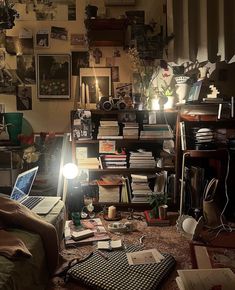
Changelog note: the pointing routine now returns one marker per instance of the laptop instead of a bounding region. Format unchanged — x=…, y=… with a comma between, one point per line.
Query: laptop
x=22, y=188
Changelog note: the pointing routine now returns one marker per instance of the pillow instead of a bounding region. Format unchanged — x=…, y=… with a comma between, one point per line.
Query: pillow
x=115, y=273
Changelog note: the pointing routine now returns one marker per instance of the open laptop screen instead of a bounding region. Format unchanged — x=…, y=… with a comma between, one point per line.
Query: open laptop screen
x=23, y=184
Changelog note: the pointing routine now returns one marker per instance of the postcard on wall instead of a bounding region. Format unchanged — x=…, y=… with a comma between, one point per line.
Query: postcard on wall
x=24, y=98
x=79, y=59
x=107, y=146
x=59, y=33
x=77, y=39
x=122, y=89
x=26, y=68
x=150, y=256
x=42, y=39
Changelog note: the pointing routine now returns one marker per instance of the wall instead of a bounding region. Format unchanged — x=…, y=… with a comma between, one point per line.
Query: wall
x=53, y=115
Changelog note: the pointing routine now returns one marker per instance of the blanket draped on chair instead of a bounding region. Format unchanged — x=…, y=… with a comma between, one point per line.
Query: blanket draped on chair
x=14, y=214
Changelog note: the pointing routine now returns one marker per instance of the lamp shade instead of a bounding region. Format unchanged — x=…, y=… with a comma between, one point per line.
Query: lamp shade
x=70, y=171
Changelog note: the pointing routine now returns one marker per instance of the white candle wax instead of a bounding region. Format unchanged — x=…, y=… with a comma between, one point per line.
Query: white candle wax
x=83, y=94
x=87, y=94
x=111, y=212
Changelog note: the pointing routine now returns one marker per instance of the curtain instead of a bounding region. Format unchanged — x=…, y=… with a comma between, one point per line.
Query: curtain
x=204, y=30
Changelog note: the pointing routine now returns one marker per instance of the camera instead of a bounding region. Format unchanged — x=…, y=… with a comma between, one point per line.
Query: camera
x=108, y=104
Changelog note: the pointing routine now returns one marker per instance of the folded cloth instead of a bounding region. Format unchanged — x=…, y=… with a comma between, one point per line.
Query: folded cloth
x=14, y=214
x=11, y=247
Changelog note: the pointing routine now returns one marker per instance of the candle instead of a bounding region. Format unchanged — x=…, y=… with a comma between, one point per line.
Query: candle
x=111, y=212
x=87, y=95
x=83, y=95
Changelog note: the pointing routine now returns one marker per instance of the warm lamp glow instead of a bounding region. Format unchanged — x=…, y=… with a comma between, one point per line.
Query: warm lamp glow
x=70, y=171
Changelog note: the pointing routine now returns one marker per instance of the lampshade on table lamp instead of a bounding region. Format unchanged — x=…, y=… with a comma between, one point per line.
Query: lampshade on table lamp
x=70, y=171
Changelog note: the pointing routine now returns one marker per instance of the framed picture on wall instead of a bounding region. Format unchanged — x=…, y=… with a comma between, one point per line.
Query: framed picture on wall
x=53, y=76
x=94, y=83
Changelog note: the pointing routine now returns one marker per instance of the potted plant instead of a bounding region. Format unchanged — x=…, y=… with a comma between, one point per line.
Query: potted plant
x=155, y=201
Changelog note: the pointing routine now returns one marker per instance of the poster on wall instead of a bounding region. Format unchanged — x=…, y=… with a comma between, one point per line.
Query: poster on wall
x=53, y=76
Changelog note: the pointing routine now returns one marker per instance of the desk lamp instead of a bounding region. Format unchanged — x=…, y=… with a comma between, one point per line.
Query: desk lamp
x=70, y=171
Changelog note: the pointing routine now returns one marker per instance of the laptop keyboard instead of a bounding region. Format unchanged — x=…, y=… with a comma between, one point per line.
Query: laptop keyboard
x=32, y=201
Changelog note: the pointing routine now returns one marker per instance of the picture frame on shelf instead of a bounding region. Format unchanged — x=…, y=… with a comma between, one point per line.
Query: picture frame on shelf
x=95, y=82
x=53, y=76
x=194, y=92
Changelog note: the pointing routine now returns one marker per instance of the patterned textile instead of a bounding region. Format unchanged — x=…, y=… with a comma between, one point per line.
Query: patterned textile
x=115, y=273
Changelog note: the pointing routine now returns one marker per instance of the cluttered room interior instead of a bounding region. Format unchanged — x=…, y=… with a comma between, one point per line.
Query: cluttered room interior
x=117, y=141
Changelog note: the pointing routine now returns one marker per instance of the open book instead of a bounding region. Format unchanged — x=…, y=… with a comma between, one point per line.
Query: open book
x=109, y=245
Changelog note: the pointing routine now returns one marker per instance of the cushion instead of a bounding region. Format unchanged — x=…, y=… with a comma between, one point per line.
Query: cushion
x=115, y=272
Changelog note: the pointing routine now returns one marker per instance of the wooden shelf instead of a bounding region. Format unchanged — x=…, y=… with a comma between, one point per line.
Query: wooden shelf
x=128, y=170
x=121, y=141
x=218, y=153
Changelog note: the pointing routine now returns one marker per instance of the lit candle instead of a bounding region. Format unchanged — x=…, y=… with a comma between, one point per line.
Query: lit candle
x=112, y=212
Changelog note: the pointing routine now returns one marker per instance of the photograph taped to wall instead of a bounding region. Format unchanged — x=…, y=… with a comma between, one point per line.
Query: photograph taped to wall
x=79, y=59
x=24, y=98
x=77, y=39
x=98, y=82
x=53, y=76
x=42, y=39
x=19, y=46
x=60, y=33
x=26, y=68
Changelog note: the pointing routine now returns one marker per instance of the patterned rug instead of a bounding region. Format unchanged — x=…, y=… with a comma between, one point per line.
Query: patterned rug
x=165, y=239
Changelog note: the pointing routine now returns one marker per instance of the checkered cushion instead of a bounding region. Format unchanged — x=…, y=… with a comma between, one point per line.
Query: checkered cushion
x=115, y=272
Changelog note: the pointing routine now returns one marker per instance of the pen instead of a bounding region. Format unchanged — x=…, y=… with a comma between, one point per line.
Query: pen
x=102, y=255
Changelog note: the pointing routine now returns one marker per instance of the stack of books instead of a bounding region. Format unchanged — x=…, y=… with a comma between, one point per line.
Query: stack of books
x=89, y=163
x=131, y=130
x=113, y=161
x=140, y=188
x=156, y=131
x=142, y=159
x=108, y=130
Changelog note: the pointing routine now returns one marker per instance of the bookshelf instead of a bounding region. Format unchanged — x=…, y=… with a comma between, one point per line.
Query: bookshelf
x=208, y=144
x=154, y=145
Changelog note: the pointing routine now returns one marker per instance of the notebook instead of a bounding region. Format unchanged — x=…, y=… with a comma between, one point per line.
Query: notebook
x=22, y=188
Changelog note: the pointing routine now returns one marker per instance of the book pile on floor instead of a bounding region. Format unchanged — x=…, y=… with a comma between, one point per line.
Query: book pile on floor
x=195, y=279
x=156, y=131
x=116, y=161
x=131, y=130
x=108, y=130
x=142, y=159
x=140, y=188
x=90, y=231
